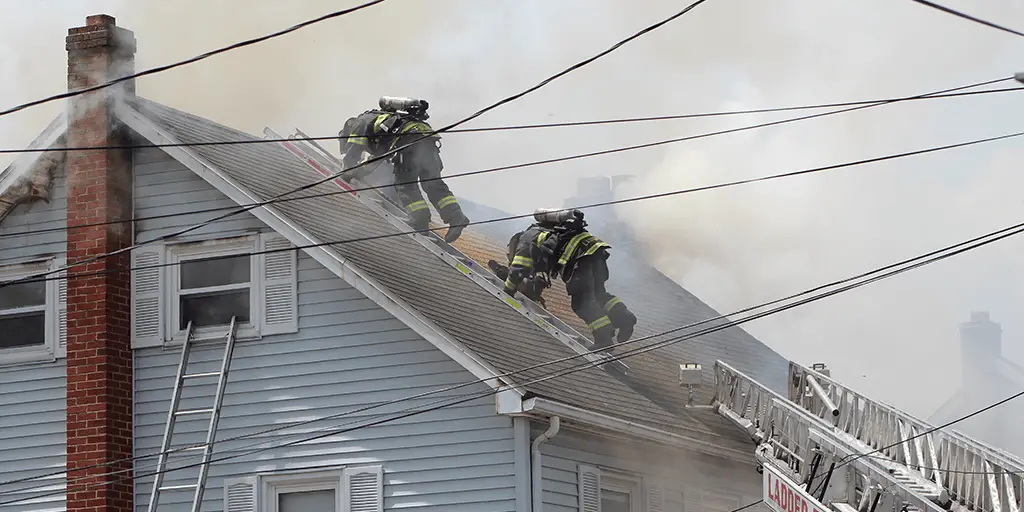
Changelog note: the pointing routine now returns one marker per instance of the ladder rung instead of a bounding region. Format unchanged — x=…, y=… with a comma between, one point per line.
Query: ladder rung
x=201, y=375
x=177, y=488
x=193, y=411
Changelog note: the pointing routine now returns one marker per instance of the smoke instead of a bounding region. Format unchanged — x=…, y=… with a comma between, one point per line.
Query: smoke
x=732, y=247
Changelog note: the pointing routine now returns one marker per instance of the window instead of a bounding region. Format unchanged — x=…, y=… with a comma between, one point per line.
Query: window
x=32, y=313
x=608, y=490
x=356, y=489
x=210, y=282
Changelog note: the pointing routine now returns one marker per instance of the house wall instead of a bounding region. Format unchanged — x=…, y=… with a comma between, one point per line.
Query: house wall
x=33, y=396
x=348, y=353
x=690, y=482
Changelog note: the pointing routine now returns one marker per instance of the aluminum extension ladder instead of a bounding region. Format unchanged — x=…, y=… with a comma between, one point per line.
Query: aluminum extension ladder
x=174, y=413
x=884, y=459
x=325, y=164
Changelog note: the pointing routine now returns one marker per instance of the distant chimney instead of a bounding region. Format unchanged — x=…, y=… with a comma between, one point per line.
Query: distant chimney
x=602, y=220
x=980, y=346
x=99, y=195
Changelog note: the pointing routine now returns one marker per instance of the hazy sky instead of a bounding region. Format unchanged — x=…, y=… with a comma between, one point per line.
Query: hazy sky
x=895, y=340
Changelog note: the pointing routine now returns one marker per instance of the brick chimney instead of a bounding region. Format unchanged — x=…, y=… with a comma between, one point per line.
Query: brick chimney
x=980, y=347
x=99, y=356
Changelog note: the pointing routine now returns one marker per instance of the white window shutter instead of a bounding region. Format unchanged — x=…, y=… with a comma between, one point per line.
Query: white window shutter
x=692, y=499
x=655, y=496
x=280, y=311
x=240, y=494
x=60, y=310
x=364, y=489
x=147, y=296
x=589, y=488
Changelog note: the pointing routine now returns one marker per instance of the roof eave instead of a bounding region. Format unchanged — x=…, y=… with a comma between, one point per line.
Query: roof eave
x=541, y=407
x=329, y=258
x=46, y=139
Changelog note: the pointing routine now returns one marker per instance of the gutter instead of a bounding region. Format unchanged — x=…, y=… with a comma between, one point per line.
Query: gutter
x=537, y=486
x=539, y=407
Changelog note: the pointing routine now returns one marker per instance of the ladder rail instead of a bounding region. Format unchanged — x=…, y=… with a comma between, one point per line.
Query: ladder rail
x=788, y=434
x=947, y=457
x=165, y=445
x=218, y=400
x=453, y=257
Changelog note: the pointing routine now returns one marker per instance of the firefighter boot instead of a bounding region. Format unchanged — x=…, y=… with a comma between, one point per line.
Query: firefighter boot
x=419, y=217
x=451, y=214
x=603, y=332
x=622, y=318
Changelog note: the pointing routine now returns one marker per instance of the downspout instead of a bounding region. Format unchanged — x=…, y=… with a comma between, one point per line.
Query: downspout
x=537, y=487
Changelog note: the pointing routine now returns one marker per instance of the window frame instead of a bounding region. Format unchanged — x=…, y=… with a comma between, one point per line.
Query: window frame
x=187, y=251
x=626, y=483
x=48, y=350
x=272, y=485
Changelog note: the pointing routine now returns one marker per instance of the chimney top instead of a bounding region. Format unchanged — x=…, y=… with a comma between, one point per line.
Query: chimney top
x=99, y=19
x=979, y=316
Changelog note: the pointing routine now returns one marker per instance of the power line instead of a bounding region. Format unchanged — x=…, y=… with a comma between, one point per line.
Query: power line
x=565, y=124
x=43, y=276
x=961, y=247
x=368, y=161
x=197, y=58
x=547, y=363
x=481, y=171
x=954, y=12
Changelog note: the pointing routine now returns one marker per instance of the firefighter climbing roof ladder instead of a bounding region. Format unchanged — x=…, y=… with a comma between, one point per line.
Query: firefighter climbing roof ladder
x=867, y=453
x=317, y=158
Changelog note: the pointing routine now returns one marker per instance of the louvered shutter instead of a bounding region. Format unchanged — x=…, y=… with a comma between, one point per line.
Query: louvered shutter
x=280, y=301
x=655, y=496
x=589, y=488
x=364, y=489
x=692, y=498
x=240, y=494
x=147, y=289
x=60, y=310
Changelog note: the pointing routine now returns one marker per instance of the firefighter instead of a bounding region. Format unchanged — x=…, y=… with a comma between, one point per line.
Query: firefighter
x=396, y=123
x=559, y=244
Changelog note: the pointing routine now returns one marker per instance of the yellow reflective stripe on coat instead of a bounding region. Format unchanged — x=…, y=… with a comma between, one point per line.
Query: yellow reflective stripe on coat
x=445, y=201
x=570, y=249
x=542, y=237
x=611, y=304
x=417, y=205
x=360, y=141
x=523, y=261
x=377, y=122
x=604, y=321
x=593, y=248
x=417, y=127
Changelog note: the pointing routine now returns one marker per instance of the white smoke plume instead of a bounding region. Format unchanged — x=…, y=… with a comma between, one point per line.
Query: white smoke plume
x=734, y=247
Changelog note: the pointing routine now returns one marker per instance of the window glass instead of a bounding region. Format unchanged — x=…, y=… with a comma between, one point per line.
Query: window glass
x=214, y=308
x=307, y=501
x=21, y=295
x=23, y=330
x=204, y=273
x=614, y=501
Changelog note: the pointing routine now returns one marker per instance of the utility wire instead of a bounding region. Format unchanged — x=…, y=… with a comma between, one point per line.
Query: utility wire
x=1002, y=234
x=539, y=365
x=385, y=154
x=43, y=276
x=500, y=128
x=197, y=58
x=451, y=176
x=954, y=12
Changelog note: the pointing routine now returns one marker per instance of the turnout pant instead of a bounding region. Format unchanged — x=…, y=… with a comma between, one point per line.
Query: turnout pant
x=420, y=166
x=603, y=312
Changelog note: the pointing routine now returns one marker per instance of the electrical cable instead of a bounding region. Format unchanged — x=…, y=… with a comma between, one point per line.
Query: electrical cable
x=540, y=365
x=451, y=176
x=368, y=161
x=197, y=58
x=499, y=128
x=1002, y=235
x=43, y=276
x=948, y=10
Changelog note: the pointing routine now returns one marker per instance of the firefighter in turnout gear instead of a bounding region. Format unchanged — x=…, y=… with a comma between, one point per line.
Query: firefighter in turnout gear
x=398, y=122
x=559, y=244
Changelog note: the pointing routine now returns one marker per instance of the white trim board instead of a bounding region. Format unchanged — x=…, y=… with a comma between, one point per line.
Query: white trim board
x=326, y=256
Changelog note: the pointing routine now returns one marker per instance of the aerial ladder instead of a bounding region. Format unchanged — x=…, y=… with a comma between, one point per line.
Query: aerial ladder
x=826, y=446
x=326, y=165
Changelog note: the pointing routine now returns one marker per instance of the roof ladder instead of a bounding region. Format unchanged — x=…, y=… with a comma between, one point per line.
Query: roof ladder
x=175, y=412
x=882, y=455
x=317, y=158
